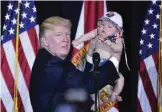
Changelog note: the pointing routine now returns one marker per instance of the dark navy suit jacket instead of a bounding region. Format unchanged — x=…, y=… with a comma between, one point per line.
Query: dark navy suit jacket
x=52, y=76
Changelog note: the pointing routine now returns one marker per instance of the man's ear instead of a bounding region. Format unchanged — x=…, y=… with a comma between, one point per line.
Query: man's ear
x=44, y=41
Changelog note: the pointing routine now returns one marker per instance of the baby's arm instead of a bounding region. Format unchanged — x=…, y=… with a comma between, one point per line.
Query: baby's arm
x=88, y=36
x=119, y=84
x=92, y=45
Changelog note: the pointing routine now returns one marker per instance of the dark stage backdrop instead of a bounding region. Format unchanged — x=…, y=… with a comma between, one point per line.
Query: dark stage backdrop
x=133, y=14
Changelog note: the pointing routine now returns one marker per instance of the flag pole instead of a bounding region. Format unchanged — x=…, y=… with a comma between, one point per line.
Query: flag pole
x=160, y=66
x=16, y=61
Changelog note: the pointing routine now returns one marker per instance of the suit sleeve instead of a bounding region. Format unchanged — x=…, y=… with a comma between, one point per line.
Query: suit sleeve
x=107, y=75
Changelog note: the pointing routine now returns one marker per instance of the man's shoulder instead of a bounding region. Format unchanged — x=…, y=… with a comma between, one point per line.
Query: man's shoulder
x=45, y=62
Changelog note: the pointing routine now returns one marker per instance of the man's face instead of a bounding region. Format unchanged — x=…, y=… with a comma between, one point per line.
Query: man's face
x=59, y=42
x=105, y=29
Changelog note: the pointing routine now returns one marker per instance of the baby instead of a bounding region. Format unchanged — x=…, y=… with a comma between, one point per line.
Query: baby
x=107, y=41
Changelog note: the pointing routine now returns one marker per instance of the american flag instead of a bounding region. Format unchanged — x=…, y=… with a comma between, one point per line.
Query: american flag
x=149, y=51
x=27, y=50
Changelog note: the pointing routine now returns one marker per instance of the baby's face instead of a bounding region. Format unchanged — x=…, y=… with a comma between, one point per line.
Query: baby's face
x=105, y=29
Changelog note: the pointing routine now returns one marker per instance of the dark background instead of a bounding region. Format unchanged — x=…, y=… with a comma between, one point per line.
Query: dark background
x=133, y=14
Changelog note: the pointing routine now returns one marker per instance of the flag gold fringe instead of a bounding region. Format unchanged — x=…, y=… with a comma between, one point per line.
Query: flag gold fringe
x=16, y=61
x=160, y=65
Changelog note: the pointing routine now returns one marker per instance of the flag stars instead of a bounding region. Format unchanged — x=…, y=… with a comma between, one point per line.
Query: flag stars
x=11, y=31
x=144, y=31
x=13, y=21
x=24, y=15
x=150, y=11
x=7, y=17
x=152, y=36
x=16, y=11
x=34, y=9
x=157, y=16
x=32, y=19
x=10, y=6
x=21, y=25
x=154, y=1
x=150, y=31
x=147, y=22
x=27, y=4
x=154, y=26
x=140, y=52
x=4, y=27
x=141, y=42
x=149, y=45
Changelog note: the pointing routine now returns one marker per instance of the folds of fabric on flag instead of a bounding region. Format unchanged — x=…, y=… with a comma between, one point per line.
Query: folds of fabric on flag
x=91, y=11
x=25, y=47
x=149, y=54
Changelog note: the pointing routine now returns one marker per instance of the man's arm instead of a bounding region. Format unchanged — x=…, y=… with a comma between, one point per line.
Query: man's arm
x=107, y=75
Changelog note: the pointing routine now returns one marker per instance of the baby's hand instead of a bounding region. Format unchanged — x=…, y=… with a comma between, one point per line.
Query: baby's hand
x=119, y=98
x=75, y=43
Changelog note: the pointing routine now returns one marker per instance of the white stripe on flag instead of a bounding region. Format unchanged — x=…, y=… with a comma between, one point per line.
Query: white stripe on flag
x=37, y=31
x=80, y=28
x=105, y=7
x=27, y=48
x=22, y=88
x=5, y=95
x=143, y=100
x=152, y=72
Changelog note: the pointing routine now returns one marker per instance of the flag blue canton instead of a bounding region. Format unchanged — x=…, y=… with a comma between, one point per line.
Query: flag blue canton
x=149, y=42
x=27, y=19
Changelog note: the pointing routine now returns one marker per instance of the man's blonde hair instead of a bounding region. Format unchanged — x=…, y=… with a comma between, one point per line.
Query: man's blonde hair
x=48, y=25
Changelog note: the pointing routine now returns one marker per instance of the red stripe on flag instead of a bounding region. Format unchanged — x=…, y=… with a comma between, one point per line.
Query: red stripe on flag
x=20, y=104
x=139, y=109
x=33, y=39
x=9, y=80
x=24, y=66
x=3, y=109
x=92, y=12
x=148, y=87
x=6, y=73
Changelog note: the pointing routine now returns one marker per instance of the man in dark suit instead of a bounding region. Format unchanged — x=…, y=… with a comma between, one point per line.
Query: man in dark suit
x=52, y=74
